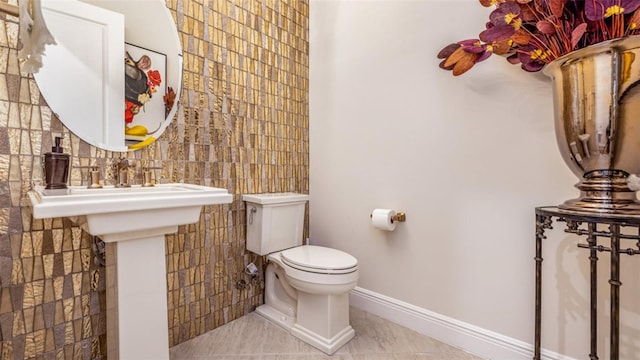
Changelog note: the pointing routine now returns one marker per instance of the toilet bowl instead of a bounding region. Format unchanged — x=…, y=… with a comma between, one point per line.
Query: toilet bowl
x=306, y=286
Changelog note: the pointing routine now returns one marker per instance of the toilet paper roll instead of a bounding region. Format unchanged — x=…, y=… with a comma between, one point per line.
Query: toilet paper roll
x=382, y=219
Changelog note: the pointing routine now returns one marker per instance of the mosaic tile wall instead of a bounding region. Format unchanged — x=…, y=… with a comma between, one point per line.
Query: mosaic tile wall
x=243, y=126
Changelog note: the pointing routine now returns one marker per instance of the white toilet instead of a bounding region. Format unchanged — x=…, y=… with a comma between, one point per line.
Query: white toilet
x=306, y=287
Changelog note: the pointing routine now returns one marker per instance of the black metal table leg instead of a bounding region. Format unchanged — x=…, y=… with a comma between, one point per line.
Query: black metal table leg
x=615, y=291
x=542, y=223
x=538, y=317
x=593, y=259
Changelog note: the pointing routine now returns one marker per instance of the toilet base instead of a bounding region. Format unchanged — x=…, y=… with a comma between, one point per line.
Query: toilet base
x=328, y=346
x=276, y=317
x=322, y=321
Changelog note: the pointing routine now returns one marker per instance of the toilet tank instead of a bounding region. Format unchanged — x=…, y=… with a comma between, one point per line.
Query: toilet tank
x=275, y=221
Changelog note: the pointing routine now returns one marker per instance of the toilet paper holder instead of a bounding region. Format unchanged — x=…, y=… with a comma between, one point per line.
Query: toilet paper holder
x=399, y=217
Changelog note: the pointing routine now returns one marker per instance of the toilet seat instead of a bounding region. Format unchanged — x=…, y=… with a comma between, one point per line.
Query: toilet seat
x=319, y=260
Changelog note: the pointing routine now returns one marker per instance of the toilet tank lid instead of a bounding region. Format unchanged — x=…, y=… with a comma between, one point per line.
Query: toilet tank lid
x=275, y=198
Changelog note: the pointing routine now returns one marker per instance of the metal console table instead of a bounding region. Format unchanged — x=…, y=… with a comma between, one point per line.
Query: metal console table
x=574, y=222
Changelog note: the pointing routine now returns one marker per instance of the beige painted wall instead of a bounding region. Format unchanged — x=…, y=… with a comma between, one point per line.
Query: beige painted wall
x=467, y=158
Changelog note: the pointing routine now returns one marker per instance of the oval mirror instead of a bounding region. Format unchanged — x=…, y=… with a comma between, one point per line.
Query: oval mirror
x=115, y=75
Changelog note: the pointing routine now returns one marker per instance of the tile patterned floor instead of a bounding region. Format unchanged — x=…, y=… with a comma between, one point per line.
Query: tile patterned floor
x=254, y=338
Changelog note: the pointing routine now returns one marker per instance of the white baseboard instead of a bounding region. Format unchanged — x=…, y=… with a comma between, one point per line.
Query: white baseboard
x=481, y=342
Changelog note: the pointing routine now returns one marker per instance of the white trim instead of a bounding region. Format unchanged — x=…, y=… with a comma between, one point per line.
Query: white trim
x=470, y=338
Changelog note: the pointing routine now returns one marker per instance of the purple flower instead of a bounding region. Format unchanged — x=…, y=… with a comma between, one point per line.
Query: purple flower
x=504, y=21
x=602, y=9
x=532, y=58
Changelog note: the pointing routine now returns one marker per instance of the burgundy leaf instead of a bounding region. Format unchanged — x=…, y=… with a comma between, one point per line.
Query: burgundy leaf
x=458, y=54
x=445, y=67
x=502, y=47
x=557, y=6
x=484, y=56
x=497, y=33
x=513, y=59
x=577, y=33
x=532, y=66
x=468, y=42
x=546, y=27
x=527, y=14
x=521, y=37
x=474, y=49
x=630, y=5
x=447, y=51
x=634, y=21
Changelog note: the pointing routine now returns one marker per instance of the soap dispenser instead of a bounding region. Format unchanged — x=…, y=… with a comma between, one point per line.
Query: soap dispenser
x=56, y=167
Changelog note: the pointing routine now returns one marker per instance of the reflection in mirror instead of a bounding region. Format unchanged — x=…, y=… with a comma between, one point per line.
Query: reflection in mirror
x=116, y=73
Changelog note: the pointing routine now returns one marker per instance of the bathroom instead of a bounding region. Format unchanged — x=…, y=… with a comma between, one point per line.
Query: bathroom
x=346, y=103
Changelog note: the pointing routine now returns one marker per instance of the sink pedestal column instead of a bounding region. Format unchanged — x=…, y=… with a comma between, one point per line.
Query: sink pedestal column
x=136, y=279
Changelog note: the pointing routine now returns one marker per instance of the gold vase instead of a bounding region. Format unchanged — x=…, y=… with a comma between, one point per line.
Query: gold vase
x=596, y=96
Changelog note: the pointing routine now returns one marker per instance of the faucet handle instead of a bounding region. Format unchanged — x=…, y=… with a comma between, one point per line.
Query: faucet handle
x=147, y=180
x=94, y=176
x=147, y=175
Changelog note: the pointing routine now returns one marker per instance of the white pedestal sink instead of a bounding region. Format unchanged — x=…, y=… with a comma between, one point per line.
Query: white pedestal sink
x=132, y=222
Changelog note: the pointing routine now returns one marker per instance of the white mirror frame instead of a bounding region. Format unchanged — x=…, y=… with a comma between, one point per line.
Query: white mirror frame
x=82, y=78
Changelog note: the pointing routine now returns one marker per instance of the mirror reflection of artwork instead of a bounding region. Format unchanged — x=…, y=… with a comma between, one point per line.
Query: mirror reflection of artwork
x=145, y=93
x=88, y=64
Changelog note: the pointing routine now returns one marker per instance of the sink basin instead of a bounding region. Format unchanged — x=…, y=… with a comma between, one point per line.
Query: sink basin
x=115, y=213
x=132, y=222
x=79, y=200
